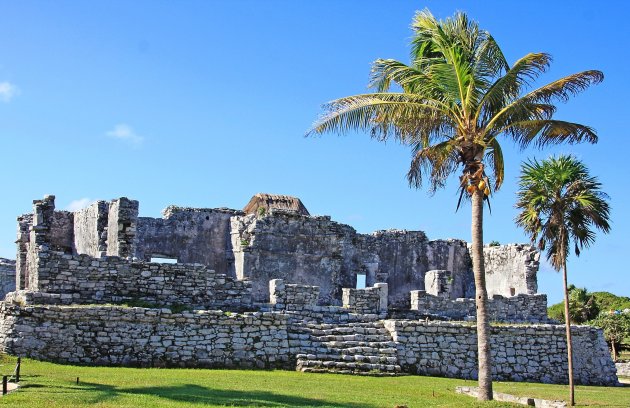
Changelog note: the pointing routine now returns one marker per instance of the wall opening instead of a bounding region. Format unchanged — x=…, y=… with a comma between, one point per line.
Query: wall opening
x=512, y=291
x=162, y=259
x=360, y=281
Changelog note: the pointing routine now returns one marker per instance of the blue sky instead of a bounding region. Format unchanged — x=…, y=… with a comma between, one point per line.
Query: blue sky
x=202, y=103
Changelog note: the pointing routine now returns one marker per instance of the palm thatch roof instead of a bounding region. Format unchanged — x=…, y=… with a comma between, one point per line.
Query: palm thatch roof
x=263, y=202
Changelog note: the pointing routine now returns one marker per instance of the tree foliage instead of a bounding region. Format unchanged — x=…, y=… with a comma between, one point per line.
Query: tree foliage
x=560, y=204
x=616, y=328
x=583, y=306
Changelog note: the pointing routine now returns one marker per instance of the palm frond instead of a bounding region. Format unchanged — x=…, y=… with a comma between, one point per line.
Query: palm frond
x=549, y=132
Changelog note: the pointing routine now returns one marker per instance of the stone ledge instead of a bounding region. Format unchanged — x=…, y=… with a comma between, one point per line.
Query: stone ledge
x=499, y=396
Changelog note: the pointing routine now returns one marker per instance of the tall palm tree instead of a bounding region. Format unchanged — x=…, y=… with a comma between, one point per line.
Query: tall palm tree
x=456, y=98
x=560, y=204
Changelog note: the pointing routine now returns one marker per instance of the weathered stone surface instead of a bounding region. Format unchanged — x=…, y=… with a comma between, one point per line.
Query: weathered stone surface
x=511, y=269
x=7, y=276
x=623, y=369
x=90, y=229
x=112, y=279
x=520, y=353
x=366, y=300
x=190, y=235
x=109, y=335
x=520, y=308
x=312, y=263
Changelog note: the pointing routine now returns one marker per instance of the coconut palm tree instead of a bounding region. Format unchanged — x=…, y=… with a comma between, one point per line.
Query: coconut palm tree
x=560, y=204
x=456, y=98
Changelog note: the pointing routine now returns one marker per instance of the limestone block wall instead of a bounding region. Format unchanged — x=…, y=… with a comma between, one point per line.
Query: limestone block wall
x=24, y=223
x=7, y=276
x=62, y=231
x=401, y=258
x=319, y=252
x=109, y=335
x=90, y=229
x=121, y=227
x=511, y=269
x=520, y=308
x=112, y=279
x=519, y=353
x=291, y=296
x=305, y=250
x=189, y=235
x=438, y=283
x=366, y=300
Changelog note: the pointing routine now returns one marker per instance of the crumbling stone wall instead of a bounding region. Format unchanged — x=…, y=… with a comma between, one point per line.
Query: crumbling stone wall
x=519, y=353
x=319, y=252
x=7, y=276
x=511, y=269
x=291, y=296
x=25, y=222
x=366, y=300
x=189, y=235
x=109, y=335
x=121, y=227
x=298, y=249
x=83, y=279
x=520, y=308
x=90, y=229
x=280, y=244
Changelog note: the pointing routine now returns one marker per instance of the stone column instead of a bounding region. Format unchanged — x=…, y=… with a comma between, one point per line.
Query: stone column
x=438, y=283
x=276, y=292
x=121, y=228
x=383, y=292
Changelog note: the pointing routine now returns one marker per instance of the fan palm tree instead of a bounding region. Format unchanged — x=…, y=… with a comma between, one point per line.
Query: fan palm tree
x=456, y=98
x=560, y=204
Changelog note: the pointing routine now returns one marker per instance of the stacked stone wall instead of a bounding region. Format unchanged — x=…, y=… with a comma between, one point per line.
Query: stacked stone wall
x=190, y=236
x=121, y=227
x=520, y=308
x=319, y=252
x=366, y=300
x=83, y=279
x=145, y=337
x=292, y=296
x=7, y=276
x=113, y=335
x=90, y=229
x=519, y=353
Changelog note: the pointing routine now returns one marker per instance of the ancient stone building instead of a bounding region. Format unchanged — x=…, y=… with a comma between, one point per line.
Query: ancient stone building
x=272, y=286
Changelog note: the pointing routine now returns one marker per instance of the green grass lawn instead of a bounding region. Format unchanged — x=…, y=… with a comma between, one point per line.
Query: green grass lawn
x=53, y=385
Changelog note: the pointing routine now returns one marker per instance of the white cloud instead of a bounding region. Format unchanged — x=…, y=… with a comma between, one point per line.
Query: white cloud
x=125, y=133
x=8, y=91
x=79, y=204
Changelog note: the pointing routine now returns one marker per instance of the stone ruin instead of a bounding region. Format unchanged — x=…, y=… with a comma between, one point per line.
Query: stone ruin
x=273, y=287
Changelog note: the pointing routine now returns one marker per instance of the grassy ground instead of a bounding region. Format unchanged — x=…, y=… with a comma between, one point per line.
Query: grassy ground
x=52, y=385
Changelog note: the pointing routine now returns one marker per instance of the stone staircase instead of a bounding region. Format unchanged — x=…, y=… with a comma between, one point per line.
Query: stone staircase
x=363, y=348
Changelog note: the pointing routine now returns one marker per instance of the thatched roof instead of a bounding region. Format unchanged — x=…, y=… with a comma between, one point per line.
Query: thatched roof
x=274, y=201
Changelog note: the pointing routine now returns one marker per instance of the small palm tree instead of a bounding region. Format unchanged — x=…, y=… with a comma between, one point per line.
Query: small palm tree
x=457, y=98
x=560, y=204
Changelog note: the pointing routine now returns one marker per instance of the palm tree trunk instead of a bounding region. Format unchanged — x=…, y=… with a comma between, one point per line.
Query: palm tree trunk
x=614, y=351
x=567, y=322
x=481, y=299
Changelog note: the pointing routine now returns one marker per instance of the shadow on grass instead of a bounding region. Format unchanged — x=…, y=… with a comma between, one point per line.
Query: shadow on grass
x=196, y=394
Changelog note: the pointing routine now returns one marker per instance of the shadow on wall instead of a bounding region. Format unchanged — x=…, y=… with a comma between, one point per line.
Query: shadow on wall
x=196, y=394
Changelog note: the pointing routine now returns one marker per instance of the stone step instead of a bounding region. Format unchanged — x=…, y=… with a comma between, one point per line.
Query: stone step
x=354, y=337
x=350, y=344
x=359, y=358
x=353, y=367
x=351, y=372
x=340, y=331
